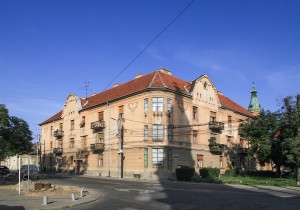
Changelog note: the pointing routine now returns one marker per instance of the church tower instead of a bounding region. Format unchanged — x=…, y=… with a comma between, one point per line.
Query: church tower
x=254, y=106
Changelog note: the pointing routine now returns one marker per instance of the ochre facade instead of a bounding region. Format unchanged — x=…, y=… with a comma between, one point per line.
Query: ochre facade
x=157, y=122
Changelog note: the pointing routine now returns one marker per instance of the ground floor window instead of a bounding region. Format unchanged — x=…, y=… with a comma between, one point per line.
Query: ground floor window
x=200, y=161
x=221, y=162
x=146, y=157
x=100, y=160
x=170, y=155
x=158, y=157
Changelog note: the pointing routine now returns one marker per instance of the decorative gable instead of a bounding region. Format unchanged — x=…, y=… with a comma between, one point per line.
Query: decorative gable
x=204, y=92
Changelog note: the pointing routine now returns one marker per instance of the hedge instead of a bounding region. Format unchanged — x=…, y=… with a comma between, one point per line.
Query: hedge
x=209, y=172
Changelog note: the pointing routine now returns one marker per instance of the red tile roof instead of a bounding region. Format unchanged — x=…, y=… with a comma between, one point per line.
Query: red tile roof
x=228, y=103
x=55, y=117
x=156, y=79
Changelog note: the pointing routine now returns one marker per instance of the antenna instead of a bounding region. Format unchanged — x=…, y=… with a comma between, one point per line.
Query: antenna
x=86, y=88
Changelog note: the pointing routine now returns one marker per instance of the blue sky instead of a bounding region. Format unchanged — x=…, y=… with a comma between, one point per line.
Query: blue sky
x=49, y=48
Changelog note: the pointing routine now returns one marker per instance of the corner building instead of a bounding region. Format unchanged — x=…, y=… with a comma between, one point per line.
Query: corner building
x=166, y=123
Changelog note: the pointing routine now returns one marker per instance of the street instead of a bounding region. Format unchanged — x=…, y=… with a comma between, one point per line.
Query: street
x=130, y=194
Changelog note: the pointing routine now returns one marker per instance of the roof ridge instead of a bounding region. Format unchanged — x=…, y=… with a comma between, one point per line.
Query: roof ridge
x=161, y=79
x=153, y=79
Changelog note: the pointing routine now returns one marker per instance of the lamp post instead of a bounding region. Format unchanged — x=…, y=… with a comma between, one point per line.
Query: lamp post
x=120, y=151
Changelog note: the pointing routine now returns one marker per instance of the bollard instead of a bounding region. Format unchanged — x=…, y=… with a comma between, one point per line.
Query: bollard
x=82, y=193
x=45, y=200
x=73, y=196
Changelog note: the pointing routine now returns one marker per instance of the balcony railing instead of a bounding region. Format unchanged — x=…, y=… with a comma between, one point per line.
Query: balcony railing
x=98, y=125
x=217, y=149
x=57, y=151
x=215, y=125
x=97, y=147
x=58, y=133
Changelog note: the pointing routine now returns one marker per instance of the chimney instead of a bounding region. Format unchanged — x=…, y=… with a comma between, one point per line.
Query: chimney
x=93, y=94
x=115, y=85
x=165, y=71
x=138, y=76
x=220, y=92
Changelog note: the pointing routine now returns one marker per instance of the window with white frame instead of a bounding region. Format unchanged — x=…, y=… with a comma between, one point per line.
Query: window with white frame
x=72, y=143
x=195, y=113
x=146, y=157
x=146, y=132
x=158, y=157
x=169, y=105
x=157, y=132
x=146, y=105
x=170, y=133
x=157, y=104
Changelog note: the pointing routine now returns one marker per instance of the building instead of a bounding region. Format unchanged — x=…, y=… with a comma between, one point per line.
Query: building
x=145, y=128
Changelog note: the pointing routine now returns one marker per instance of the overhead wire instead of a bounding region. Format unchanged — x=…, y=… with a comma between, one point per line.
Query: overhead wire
x=151, y=41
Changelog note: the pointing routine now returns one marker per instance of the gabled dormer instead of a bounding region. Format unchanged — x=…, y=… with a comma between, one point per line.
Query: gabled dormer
x=204, y=92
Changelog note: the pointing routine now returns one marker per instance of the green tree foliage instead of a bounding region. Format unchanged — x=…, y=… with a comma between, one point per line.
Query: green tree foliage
x=15, y=136
x=273, y=136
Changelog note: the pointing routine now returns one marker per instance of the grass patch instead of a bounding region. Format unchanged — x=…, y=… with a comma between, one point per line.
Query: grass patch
x=247, y=180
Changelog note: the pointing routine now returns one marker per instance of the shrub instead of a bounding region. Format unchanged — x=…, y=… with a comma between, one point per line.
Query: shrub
x=230, y=172
x=209, y=172
x=185, y=173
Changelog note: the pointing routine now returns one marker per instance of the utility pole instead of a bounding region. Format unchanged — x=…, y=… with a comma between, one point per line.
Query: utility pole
x=120, y=151
x=298, y=139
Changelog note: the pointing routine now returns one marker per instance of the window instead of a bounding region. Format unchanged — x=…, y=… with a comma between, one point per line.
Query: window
x=221, y=162
x=195, y=113
x=158, y=157
x=101, y=116
x=146, y=157
x=146, y=105
x=100, y=160
x=157, y=104
x=83, y=141
x=82, y=123
x=72, y=125
x=170, y=155
x=169, y=105
x=195, y=139
x=61, y=126
x=200, y=161
x=51, y=145
x=72, y=143
x=157, y=132
x=51, y=130
x=146, y=132
x=170, y=133
x=212, y=116
x=121, y=111
x=229, y=122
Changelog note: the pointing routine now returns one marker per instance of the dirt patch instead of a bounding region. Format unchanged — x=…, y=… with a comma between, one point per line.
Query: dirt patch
x=28, y=189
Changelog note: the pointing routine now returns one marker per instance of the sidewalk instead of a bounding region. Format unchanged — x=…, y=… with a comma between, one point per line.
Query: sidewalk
x=11, y=200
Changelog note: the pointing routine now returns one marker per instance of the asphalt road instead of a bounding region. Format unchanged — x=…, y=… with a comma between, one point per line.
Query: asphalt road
x=122, y=194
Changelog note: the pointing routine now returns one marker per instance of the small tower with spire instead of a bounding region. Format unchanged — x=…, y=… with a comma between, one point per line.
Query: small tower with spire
x=254, y=106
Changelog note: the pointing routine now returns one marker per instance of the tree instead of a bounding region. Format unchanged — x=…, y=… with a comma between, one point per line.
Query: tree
x=15, y=136
x=272, y=136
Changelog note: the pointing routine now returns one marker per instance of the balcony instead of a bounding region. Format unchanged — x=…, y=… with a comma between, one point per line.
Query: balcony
x=216, y=149
x=58, y=133
x=57, y=151
x=82, y=153
x=216, y=126
x=97, y=147
x=97, y=125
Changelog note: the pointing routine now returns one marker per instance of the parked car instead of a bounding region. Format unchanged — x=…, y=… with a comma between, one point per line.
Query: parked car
x=33, y=170
x=4, y=170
